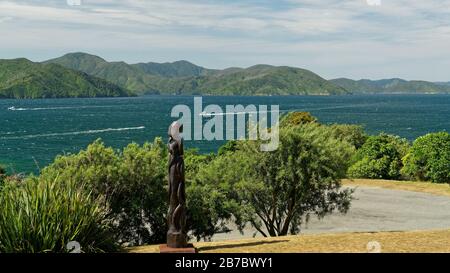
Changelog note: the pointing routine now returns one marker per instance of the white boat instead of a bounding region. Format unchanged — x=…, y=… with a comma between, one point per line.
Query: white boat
x=205, y=114
x=12, y=108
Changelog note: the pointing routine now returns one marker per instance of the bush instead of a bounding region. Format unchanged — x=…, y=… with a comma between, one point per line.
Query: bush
x=2, y=176
x=297, y=118
x=44, y=215
x=380, y=157
x=353, y=134
x=132, y=183
x=429, y=158
x=229, y=146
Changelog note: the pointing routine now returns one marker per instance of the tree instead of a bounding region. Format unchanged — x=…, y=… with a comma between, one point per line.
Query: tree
x=379, y=157
x=211, y=200
x=429, y=158
x=280, y=189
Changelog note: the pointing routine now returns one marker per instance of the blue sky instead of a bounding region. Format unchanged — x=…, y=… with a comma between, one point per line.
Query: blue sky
x=334, y=38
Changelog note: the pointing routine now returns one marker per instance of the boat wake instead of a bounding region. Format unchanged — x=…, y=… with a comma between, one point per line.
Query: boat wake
x=76, y=133
x=13, y=108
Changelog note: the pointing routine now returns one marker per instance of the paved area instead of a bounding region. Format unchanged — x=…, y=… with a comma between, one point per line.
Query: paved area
x=377, y=209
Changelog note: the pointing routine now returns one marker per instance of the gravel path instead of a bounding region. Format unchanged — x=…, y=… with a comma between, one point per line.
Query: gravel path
x=377, y=209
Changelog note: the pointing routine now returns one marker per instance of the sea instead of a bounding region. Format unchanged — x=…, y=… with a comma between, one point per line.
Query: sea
x=33, y=132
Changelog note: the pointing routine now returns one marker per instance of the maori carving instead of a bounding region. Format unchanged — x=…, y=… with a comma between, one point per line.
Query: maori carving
x=176, y=235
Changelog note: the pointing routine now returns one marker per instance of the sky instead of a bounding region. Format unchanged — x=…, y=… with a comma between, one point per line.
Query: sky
x=356, y=39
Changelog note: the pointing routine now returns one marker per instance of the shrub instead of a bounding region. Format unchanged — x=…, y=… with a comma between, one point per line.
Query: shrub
x=297, y=118
x=379, y=157
x=44, y=215
x=429, y=158
x=229, y=146
x=2, y=176
x=353, y=134
x=132, y=183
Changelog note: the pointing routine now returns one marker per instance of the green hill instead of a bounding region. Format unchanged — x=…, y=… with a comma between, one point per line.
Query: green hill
x=119, y=73
x=391, y=86
x=21, y=78
x=262, y=80
x=175, y=69
x=183, y=77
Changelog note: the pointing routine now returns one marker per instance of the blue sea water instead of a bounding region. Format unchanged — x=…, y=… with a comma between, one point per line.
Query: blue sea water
x=36, y=131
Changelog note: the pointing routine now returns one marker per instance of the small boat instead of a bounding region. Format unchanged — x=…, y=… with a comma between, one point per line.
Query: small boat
x=205, y=114
x=12, y=108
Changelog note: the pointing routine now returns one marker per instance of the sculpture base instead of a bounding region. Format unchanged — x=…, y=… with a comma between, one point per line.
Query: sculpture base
x=167, y=249
x=176, y=240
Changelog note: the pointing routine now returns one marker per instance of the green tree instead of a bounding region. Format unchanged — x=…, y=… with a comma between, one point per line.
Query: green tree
x=429, y=158
x=379, y=157
x=276, y=191
x=209, y=204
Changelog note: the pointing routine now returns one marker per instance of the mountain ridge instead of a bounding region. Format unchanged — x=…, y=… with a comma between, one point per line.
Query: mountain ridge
x=183, y=77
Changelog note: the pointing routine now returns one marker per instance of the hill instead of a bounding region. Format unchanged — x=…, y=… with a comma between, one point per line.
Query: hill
x=21, y=78
x=183, y=77
x=391, y=86
x=262, y=80
x=175, y=69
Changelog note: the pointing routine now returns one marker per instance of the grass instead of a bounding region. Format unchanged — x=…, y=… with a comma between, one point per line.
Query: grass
x=425, y=187
x=412, y=241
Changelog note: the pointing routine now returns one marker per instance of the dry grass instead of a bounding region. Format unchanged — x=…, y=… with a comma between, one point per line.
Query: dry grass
x=426, y=187
x=413, y=241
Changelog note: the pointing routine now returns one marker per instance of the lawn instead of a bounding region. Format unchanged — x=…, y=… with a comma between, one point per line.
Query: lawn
x=426, y=187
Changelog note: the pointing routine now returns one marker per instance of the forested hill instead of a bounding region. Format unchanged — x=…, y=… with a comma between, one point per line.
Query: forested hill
x=21, y=78
x=392, y=86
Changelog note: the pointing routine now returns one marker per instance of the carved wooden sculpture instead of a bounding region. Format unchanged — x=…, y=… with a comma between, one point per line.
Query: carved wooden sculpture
x=176, y=236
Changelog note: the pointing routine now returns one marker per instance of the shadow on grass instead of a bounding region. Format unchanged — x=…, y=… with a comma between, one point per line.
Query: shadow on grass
x=205, y=248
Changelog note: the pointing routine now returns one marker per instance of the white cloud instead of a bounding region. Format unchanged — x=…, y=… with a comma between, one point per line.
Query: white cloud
x=332, y=37
x=4, y=19
x=374, y=2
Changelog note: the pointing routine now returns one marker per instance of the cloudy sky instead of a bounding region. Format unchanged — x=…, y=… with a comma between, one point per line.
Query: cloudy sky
x=334, y=38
